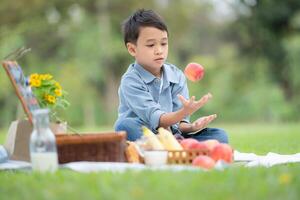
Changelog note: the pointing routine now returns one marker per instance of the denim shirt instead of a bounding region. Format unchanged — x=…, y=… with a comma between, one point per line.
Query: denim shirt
x=141, y=95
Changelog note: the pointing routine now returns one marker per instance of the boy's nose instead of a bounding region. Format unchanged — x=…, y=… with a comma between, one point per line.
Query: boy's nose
x=158, y=50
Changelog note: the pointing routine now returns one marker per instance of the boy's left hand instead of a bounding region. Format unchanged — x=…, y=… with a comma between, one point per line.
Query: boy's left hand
x=202, y=122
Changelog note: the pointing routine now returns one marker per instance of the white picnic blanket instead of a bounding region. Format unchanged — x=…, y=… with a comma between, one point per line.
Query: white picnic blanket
x=87, y=167
x=268, y=160
x=15, y=165
x=248, y=160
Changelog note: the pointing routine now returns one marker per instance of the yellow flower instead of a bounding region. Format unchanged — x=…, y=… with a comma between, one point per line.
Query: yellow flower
x=46, y=76
x=58, y=92
x=41, y=85
x=285, y=179
x=34, y=76
x=42, y=77
x=35, y=83
x=58, y=86
x=50, y=98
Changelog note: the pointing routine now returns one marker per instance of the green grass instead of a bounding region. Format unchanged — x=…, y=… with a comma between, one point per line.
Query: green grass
x=263, y=138
x=2, y=135
x=235, y=182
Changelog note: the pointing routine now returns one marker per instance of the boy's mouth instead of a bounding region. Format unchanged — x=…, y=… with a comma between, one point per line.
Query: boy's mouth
x=159, y=59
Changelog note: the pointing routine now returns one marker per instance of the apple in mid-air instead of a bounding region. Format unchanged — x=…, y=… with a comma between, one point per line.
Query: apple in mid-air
x=194, y=72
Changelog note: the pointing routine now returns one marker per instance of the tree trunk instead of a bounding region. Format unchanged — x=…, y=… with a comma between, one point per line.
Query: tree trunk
x=287, y=90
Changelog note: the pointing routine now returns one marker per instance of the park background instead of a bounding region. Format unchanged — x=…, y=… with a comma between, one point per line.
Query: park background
x=250, y=51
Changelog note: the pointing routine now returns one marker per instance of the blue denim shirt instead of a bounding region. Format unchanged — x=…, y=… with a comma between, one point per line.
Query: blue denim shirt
x=141, y=95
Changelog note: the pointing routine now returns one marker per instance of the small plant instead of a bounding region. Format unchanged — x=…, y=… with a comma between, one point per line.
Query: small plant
x=48, y=93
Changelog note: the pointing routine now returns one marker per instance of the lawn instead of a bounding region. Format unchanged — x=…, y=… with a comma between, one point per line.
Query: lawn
x=235, y=182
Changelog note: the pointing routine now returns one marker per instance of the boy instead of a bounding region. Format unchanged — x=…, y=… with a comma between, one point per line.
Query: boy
x=154, y=93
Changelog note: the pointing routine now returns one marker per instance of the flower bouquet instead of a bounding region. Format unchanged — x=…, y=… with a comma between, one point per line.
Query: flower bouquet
x=48, y=93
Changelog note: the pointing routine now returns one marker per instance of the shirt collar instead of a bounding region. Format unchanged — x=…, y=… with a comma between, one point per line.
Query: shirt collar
x=169, y=74
x=145, y=75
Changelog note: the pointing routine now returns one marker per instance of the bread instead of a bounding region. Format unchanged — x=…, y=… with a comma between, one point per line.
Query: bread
x=132, y=153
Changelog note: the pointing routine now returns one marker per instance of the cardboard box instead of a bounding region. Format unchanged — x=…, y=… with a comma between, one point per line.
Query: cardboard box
x=18, y=137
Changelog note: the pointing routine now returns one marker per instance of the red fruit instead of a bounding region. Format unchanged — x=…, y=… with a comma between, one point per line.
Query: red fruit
x=222, y=152
x=205, y=162
x=189, y=143
x=194, y=72
x=211, y=144
x=202, y=146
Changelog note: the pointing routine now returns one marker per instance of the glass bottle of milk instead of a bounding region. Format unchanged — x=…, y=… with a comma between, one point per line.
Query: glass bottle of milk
x=43, y=152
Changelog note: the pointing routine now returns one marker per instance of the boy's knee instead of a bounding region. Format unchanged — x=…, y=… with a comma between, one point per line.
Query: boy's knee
x=221, y=135
x=132, y=128
x=120, y=125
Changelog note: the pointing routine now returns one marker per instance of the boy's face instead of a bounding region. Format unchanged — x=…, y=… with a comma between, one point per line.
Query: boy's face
x=151, y=49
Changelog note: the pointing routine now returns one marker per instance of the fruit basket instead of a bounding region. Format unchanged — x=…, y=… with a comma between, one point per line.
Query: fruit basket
x=105, y=147
x=186, y=151
x=185, y=157
x=181, y=157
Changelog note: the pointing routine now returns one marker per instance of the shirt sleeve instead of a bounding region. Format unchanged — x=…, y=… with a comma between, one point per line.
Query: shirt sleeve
x=182, y=89
x=140, y=101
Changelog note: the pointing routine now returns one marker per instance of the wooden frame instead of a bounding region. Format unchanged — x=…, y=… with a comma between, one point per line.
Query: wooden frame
x=18, y=80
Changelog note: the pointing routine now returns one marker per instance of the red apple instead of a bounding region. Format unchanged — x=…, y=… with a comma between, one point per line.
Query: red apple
x=194, y=72
x=189, y=143
x=205, y=162
x=211, y=144
x=222, y=152
x=202, y=146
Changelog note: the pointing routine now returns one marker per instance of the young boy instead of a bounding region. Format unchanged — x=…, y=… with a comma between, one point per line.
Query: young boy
x=154, y=93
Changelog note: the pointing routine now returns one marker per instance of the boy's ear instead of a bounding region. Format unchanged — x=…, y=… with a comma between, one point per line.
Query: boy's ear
x=131, y=48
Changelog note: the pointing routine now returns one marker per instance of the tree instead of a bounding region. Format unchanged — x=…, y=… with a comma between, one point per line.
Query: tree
x=260, y=31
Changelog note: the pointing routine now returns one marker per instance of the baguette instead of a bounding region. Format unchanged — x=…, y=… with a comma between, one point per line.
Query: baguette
x=168, y=140
x=152, y=140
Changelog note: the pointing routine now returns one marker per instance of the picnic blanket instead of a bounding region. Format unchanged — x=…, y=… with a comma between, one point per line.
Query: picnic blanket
x=247, y=160
x=268, y=160
x=87, y=167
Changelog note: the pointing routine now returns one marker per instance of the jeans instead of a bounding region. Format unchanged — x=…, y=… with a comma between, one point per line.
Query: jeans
x=133, y=129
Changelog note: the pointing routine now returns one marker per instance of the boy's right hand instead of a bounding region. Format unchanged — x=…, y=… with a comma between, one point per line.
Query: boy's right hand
x=190, y=106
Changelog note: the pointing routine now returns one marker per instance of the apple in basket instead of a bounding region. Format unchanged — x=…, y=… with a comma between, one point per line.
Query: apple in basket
x=207, y=145
x=222, y=152
x=211, y=144
x=203, y=161
x=189, y=143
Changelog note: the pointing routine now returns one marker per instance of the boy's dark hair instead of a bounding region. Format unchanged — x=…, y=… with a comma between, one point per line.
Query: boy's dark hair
x=141, y=18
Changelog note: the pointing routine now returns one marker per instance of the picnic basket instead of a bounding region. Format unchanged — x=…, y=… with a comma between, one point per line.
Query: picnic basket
x=105, y=147
x=184, y=156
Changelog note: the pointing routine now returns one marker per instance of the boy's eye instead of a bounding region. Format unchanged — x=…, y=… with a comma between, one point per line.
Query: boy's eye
x=164, y=44
x=150, y=45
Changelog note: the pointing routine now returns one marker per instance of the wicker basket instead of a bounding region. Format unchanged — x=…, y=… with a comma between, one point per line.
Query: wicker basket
x=184, y=157
x=106, y=147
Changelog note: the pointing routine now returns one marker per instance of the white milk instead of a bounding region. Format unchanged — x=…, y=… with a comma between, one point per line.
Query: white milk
x=44, y=162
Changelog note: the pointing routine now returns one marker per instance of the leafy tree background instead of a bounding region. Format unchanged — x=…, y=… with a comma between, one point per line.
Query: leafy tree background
x=250, y=50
